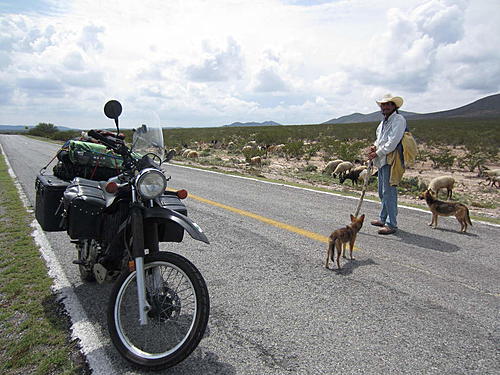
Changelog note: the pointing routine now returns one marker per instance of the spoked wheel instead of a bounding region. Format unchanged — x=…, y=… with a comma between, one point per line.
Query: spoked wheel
x=180, y=306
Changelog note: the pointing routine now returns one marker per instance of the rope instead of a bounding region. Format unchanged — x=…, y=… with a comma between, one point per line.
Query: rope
x=365, y=184
x=51, y=160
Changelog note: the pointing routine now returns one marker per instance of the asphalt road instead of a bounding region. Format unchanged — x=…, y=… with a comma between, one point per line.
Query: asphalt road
x=421, y=301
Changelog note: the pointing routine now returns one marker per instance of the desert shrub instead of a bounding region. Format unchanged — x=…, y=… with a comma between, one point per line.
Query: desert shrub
x=310, y=168
x=442, y=158
x=250, y=153
x=412, y=185
x=476, y=157
x=312, y=149
x=294, y=149
x=349, y=150
x=65, y=135
x=422, y=155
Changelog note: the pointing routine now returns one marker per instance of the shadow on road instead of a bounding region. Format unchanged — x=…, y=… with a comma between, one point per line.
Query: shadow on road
x=426, y=242
x=351, y=265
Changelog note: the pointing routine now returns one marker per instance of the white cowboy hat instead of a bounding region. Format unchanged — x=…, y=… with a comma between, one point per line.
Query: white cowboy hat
x=397, y=100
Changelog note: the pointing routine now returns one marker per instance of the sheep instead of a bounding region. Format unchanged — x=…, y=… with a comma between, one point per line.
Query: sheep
x=442, y=182
x=192, y=155
x=330, y=167
x=492, y=181
x=256, y=160
x=275, y=148
x=352, y=174
x=492, y=173
x=363, y=173
x=342, y=168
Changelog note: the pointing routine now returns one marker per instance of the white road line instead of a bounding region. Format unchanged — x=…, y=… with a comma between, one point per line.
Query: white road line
x=81, y=328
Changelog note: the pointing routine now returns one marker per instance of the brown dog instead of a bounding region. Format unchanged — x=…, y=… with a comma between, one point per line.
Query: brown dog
x=440, y=208
x=339, y=239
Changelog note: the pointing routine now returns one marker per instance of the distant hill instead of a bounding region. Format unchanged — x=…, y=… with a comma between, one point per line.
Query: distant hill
x=22, y=128
x=265, y=123
x=483, y=108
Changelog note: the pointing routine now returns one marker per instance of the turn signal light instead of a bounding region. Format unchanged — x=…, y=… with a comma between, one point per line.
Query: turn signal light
x=131, y=265
x=111, y=187
x=182, y=194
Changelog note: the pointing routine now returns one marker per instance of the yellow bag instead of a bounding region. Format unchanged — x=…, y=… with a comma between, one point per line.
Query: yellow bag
x=410, y=149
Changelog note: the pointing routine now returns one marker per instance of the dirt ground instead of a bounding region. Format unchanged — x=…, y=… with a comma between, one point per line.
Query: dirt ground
x=482, y=200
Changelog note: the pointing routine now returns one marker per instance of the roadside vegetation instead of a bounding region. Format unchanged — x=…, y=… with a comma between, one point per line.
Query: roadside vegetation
x=34, y=329
x=459, y=146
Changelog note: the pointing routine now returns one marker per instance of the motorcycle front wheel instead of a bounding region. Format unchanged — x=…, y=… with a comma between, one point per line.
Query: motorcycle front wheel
x=178, y=296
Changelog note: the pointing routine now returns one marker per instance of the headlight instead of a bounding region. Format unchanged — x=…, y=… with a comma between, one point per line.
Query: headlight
x=151, y=183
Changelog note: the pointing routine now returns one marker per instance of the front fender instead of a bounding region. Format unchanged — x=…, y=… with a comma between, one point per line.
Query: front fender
x=163, y=213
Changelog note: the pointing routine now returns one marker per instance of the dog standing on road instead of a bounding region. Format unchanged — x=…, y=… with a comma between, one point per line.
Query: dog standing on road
x=340, y=237
x=441, y=208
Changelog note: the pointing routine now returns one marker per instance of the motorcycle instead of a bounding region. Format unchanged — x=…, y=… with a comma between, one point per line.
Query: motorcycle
x=159, y=304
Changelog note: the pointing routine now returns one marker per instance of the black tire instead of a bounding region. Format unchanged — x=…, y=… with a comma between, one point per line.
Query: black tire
x=177, y=321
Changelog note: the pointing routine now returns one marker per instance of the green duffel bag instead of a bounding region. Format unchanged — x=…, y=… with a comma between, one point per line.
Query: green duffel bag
x=93, y=155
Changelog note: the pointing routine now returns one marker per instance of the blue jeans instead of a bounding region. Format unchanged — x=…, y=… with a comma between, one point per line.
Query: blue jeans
x=388, y=196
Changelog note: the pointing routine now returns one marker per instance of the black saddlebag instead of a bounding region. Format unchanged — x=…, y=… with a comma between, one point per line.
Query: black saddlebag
x=48, y=206
x=171, y=232
x=83, y=205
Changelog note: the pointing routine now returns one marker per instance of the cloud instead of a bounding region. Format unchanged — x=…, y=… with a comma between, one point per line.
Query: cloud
x=405, y=57
x=74, y=61
x=219, y=65
x=20, y=34
x=89, y=39
x=269, y=80
x=40, y=86
x=292, y=61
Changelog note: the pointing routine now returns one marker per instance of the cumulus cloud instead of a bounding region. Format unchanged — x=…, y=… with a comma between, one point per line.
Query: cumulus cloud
x=89, y=38
x=404, y=56
x=269, y=80
x=219, y=65
x=74, y=61
x=292, y=61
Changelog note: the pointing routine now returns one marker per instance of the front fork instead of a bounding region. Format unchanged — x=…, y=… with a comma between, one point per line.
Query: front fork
x=143, y=237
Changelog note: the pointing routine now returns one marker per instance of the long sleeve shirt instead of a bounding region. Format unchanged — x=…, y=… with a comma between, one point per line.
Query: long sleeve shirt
x=389, y=134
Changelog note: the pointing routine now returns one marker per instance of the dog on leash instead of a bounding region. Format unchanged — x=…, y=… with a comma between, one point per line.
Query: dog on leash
x=441, y=208
x=341, y=237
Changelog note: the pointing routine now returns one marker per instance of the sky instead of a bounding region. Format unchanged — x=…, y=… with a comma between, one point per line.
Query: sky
x=213, y=62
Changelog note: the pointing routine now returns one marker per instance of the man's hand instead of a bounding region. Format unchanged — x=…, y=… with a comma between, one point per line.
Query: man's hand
x=372, y=154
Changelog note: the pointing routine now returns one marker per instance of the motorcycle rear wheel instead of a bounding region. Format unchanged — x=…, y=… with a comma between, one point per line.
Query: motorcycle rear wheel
x=178, y=295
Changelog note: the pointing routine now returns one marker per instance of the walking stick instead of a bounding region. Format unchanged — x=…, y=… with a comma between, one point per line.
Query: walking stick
x=365, y=184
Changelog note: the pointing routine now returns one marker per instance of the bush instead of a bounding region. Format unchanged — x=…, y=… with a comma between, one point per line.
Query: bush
x=442, y=158
x=294, y=149
x=43, y=130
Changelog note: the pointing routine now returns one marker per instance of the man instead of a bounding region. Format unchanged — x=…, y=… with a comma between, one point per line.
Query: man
x=389, y=134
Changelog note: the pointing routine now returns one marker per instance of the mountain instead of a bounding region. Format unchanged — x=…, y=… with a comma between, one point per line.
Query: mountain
x=265, y=123
x=486, y=107
x=22, y=128
x=13, y=128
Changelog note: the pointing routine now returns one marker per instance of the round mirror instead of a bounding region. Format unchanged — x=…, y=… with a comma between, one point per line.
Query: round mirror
x=113, y=109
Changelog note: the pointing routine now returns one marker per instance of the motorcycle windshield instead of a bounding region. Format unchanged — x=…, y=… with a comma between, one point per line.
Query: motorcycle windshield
x=148, y=139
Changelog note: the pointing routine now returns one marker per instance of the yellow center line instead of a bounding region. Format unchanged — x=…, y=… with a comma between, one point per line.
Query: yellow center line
x=319, y=237
x=277, y=224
